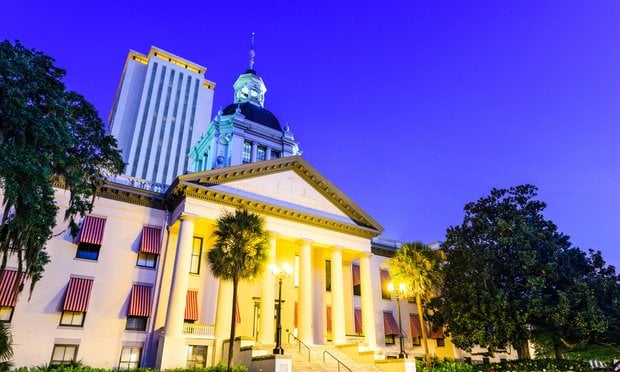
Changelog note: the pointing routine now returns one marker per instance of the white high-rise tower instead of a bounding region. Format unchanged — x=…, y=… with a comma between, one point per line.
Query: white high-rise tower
x=162, y=106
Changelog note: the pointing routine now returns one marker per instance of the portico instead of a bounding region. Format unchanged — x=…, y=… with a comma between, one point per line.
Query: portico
x=313, y=228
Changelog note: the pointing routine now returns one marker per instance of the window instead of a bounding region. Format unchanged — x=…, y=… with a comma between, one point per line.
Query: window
x=357, y=290
x=385, y=280
x=357, y=315
x=150, y=246
x=76, y=301
x=130, y=357
x=416, y=329
x=6, y=314
x=136, y=323
x=328, y=275
x=146, y=260
x=247, y=152
x=139, y=309
x=191, y=306
x=63, y=354
x=90, y=238
x=275, y=154
x=8, y=295
x=441, y=342
x=72, y=318
x=194, y=267
x=88, y=251
x=390, y=327
x=196, y=356
x=261, y=153
x=415, y=341
x=486, y=360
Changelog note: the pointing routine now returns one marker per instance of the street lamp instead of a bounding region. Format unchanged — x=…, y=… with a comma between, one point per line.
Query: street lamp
x=401, y=291
x=279, y=273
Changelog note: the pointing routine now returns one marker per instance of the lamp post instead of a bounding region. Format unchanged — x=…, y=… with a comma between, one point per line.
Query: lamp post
x=402, y=288
x=279, y=273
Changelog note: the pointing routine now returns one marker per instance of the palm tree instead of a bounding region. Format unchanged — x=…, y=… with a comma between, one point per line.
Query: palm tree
x=6, y=346
x=240, y=253
x=418, y=266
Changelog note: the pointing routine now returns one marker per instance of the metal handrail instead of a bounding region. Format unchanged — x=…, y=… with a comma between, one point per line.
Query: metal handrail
x=336, y=359
x=299, y=343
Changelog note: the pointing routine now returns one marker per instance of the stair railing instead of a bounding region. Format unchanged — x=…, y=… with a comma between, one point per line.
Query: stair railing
x=300, y=343
x=336, y=359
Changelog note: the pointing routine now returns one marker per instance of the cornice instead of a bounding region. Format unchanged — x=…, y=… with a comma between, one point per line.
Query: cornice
x=124, y=193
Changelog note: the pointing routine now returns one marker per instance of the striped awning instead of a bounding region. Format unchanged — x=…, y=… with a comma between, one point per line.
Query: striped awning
x=8, y=287
x=191, y=305
x=389, y=324
x=414, y=322
x=78, y=294
x=356, y=274
x=435, y=331
x=151, y=240
x=357, y=314
x=140, y=302
x=329, y=318
x=91, y=231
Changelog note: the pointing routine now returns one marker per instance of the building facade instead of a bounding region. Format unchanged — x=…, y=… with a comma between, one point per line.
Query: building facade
x=133, y=289
x=162, y=106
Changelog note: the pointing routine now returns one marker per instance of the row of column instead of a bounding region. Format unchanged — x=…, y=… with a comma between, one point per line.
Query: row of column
x=307, y=303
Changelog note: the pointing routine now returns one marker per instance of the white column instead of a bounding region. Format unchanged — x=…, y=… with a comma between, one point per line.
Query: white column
x=304, y=332
x=180, y=278
x=268, y=153
x=338, y=318
x=368, y=303
x=254, y=149
x=171, y=353
x=267, y=328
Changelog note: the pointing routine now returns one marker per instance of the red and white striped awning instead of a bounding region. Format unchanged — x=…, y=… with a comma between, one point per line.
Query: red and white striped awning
x=329, y=318
x=191, y=305
x=389, y=324
x=435, y=332
x=140, y=302
x=92, y=230
x=358, y=321
x=78, y=294
x=416, y=329
x=356, y=274
x=151, y=240
x=9, y=286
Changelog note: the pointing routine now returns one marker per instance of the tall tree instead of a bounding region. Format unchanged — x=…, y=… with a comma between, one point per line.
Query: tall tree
x=418, y=266
x=511, y=277
x=46, y=133
x=240, y=253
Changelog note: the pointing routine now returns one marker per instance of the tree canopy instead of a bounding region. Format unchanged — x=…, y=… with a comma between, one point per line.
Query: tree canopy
x=47, y=133
x=511, y=277
x=240, y=252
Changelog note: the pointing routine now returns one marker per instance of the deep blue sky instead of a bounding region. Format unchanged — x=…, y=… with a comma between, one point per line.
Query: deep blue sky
x=412, y=108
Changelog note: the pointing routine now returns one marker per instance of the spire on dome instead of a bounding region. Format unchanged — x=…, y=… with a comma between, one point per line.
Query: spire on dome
x=252, y=53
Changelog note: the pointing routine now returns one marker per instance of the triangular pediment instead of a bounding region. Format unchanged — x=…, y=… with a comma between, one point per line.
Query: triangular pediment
x=286, y=189
x=288, y=185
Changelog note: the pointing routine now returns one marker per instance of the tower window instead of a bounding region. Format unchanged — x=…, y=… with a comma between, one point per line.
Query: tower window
x=261, y=153
x=247, y=152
